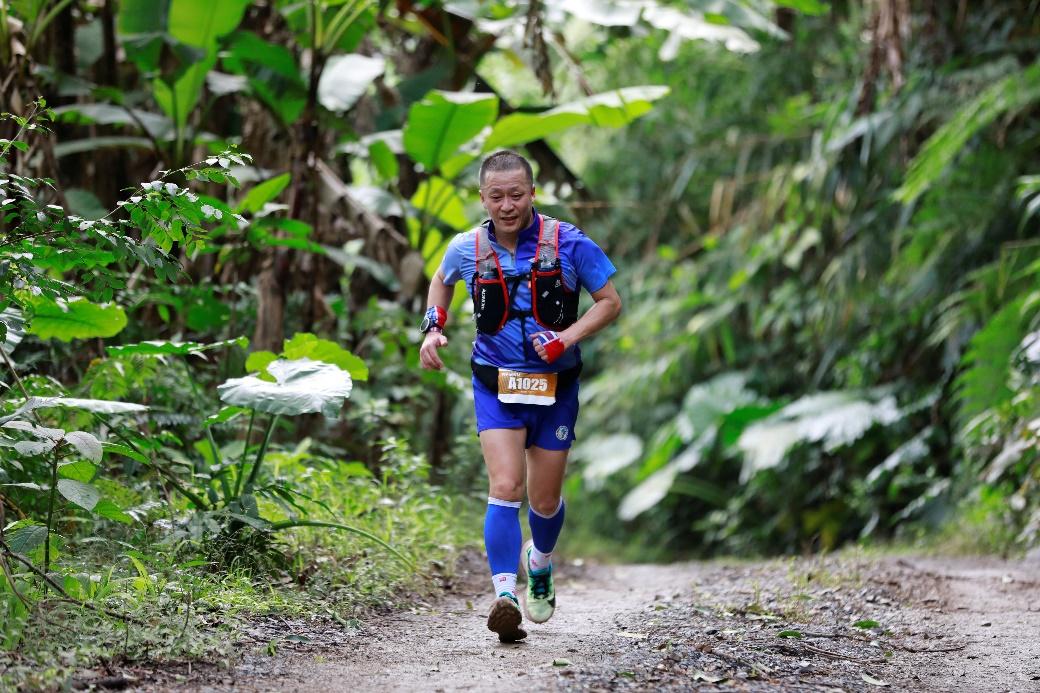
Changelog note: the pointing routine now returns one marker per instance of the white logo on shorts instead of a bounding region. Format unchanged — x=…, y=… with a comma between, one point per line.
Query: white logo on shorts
x=561, y=433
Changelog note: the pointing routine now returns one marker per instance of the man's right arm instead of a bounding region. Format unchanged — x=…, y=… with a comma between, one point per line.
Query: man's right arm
x=440, y=294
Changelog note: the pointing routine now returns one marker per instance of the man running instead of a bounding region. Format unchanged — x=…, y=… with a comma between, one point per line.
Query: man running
x=525, y=366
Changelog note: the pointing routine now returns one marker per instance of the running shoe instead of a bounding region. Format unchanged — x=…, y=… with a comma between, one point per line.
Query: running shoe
x=504, y=618
x=540, y=598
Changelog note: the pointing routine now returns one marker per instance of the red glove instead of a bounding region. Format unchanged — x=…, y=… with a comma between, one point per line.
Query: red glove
x=551, y=342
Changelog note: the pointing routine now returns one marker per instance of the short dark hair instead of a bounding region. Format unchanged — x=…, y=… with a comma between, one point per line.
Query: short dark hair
x=505, y=160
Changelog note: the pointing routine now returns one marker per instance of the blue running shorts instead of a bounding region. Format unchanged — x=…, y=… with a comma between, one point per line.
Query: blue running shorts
x=549, y=427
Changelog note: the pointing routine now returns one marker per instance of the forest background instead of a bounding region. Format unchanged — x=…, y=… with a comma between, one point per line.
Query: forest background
x=219, y=219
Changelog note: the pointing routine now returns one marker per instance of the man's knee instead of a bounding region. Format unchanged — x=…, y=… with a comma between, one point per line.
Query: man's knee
x=545, y=506
x=507, y=489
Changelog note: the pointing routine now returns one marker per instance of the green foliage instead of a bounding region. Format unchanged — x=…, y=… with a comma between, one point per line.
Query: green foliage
x=444, y=121
x=876, y=296
x=1013, y=93
x=76, y=318
x=190, y=30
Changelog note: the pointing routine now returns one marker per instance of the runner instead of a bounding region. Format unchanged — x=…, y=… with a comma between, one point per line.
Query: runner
x=525, y=367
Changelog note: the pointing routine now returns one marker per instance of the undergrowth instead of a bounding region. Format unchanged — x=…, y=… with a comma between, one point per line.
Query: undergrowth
x=178, y=608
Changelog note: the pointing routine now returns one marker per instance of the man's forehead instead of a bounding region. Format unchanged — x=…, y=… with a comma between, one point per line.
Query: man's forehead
x=512, y=178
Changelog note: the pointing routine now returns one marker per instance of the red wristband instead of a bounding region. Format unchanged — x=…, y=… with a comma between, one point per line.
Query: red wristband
x=435, y=318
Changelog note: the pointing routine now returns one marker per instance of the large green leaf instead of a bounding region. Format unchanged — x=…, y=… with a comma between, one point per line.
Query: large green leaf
x=812, y=7
x=694, y=26
x=609, y=109
x=157, y=125
x=76, y=318
x=155, y=348
x=605, y=455
x=301, y=387
x=272, y=71
x=305, y=345
x=439, y=124
x=83, y=495
x=263, y=193
x=78, y=470
x=23, y=536
x=108, y=509
x=92, y=144
x=85, y=444
x=833, y=419
x=440, y=199
x=100, y=406
x=345, y=79
x=647, y=493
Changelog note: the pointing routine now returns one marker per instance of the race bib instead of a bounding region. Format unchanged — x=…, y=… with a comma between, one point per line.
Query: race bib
x=515, y=387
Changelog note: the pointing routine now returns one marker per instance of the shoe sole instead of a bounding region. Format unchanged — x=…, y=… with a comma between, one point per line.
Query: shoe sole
x=505, y=619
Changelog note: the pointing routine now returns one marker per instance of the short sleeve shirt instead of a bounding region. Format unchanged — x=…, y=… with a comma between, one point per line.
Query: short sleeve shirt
x=584, y=264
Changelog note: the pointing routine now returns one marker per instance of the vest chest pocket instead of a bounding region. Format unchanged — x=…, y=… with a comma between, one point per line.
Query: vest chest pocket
x=517, y=387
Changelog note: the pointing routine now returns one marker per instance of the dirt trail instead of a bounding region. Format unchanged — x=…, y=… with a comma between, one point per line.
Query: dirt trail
x=944, y=625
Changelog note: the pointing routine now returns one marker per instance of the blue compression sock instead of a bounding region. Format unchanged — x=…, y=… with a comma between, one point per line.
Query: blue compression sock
x=502, y=540
x=545, y=530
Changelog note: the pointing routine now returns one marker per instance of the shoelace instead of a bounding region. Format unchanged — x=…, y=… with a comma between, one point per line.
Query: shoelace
x=540, y=584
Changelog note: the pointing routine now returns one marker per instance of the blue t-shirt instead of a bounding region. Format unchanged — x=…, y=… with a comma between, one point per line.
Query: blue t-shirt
x=584, y=265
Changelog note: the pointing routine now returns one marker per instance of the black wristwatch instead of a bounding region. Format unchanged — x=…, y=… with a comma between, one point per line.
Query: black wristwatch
x=433, y=320
x=428, y=325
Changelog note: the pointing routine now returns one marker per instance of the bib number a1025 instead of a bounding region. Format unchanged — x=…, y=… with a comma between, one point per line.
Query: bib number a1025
x=516, y=387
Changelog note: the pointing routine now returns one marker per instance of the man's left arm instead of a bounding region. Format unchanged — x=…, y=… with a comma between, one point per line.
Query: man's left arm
x=604, y=311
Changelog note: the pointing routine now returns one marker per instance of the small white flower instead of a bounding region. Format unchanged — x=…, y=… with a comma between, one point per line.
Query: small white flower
x=192, y=197
x=40, y=216
x=208, y=211
x=151, y=185
x=172, y=188
x=135, y=199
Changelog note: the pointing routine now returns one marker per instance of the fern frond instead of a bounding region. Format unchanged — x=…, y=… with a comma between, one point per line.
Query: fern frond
x=1009, y=94
x=984, y=382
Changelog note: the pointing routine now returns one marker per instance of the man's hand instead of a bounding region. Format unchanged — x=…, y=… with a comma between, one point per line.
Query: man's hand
x=428, y=357
x=549, y=345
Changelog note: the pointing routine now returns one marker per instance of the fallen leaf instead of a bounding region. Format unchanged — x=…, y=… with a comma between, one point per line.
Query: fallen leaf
x=637, y=636
x=866, y=623
x=873, y=681
x=561, y=662
x=789, y=634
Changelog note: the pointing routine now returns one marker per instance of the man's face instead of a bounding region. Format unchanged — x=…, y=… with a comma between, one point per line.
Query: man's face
x=508, y=198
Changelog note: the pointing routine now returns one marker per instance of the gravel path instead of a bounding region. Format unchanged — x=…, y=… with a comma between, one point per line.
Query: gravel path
x=851, y=623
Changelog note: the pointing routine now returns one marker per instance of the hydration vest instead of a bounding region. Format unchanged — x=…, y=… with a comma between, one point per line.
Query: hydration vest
x=553, y=306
